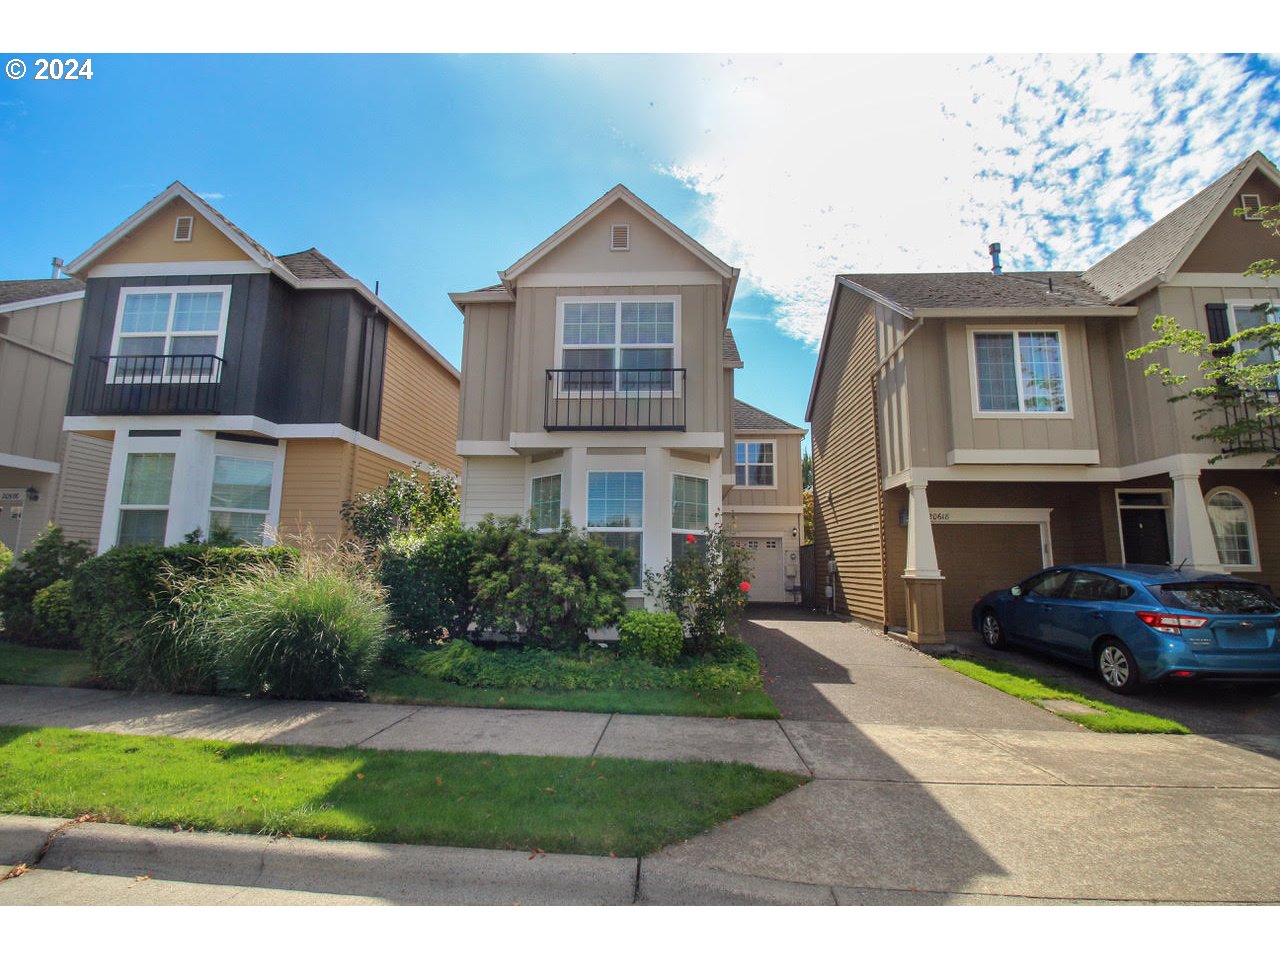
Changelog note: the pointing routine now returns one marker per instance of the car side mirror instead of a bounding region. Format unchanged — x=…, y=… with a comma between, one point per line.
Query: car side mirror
x=1016, y=591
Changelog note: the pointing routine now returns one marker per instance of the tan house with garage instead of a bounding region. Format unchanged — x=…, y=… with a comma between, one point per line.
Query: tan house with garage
x=46, y=475
x=242, y=390
x=970, y=428
x=597, y=379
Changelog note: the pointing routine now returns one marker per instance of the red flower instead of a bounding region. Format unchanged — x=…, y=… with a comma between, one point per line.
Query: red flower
x=690, y=538
x=744, y=586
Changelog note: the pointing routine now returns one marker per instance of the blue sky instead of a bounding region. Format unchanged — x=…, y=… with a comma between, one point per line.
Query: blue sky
x=430, y=173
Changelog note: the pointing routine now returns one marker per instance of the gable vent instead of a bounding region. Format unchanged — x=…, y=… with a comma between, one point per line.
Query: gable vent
x=1252, y=204
x=182, y=229
x=620, y=236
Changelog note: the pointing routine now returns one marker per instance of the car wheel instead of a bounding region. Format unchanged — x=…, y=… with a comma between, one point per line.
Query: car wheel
x=992, y=632
x=1116, y=667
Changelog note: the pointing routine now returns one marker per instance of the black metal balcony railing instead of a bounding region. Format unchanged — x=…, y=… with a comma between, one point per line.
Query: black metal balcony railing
x=1258, y=434
x=646, y=399
x=154, y=384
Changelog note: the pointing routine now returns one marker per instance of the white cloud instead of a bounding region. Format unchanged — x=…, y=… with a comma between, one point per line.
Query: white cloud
x=212, y=196
x=811, y=166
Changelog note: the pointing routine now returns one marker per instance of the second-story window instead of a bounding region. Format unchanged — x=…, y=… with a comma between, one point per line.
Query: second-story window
x=753, y=464
x=623, y=344
x=1019, y=371
x=169, y=333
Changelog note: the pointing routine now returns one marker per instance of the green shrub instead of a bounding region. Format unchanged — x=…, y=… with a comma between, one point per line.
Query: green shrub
x=548, y=587
x=734, y=667
x=51, y=609
x=428, y=581
x=705, y=585
x=50, y=557
x=6, y=557
x=409, y=503
x=312, y=630
x=115, y=599
x=655, y=637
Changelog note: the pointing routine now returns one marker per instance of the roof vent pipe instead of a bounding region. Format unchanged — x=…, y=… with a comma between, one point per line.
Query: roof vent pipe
x=57, y=268
x=994, y=250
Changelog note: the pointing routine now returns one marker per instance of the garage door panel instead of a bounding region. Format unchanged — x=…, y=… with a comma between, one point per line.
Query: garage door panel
x=767, y=554
x=976, y=558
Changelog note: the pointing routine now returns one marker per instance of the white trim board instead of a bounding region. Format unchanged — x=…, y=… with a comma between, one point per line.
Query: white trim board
x=175, y=269
x=41, y=301
x=14, y=462
x=1022, y=456
x=789, y=510
x=1029, y=516
x=1069, y=473
x=621, y=279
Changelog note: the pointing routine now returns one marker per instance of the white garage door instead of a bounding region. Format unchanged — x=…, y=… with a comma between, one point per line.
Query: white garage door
x=767, y=585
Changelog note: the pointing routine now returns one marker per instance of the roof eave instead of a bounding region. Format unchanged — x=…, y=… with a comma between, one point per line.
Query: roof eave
x=1020, y=313
x=41, y=301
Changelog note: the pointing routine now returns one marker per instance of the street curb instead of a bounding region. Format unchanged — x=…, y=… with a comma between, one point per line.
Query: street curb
x=22, y=838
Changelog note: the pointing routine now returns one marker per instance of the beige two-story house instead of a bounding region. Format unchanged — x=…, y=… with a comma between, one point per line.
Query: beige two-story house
x=597, y=380
x=970, y=428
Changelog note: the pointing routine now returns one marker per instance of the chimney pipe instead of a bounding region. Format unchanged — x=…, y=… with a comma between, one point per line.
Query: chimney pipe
x=57, y=268
x=994, y=250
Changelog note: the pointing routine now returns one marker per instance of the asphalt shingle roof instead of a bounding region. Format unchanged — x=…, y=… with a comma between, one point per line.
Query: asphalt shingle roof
x=16, y=291
x=978, y=290
x=729, y=348
x=313, y=265
x=747, y=417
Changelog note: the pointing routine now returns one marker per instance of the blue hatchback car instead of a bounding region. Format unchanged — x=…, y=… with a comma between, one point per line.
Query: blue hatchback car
x=1140, y=624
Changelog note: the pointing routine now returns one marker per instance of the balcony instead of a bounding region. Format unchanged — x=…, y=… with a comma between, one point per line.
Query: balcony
x=152, y=384
x=615, y=399
x=1252, y=432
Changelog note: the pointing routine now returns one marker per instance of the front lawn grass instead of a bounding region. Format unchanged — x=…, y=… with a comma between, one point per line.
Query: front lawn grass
x=596, y=806
x=46, y=668
x=390, y=686
x=1026, y=686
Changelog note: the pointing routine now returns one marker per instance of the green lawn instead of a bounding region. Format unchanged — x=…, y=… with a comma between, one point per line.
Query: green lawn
x=569, y=805
x=396, y=687
x=47, y=668
x=1026, y=686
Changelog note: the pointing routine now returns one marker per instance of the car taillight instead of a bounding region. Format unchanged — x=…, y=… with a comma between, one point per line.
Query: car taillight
x=1171, y=622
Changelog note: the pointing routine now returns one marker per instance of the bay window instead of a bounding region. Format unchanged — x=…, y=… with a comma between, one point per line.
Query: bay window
x=615, y=514
x=144, y=499
x=544, y=502
x=241, y=497
x=688, y=513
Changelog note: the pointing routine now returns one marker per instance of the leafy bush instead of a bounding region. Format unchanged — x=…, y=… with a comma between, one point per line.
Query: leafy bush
x=50, y=557
x=428, y=581
x=115, y=598
x=549, y=587
x=655, y=637
x=311, y=630
x=409, y=503
x=6, y=558
x=734, y=667
x=706, y=586
x=51, y=610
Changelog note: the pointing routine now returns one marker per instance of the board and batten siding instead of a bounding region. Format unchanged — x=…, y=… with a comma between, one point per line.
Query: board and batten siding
x=36, y=349
x=787, y=473
x=485, y=406
x=848, y=518
x=419, y=403
x=492, y=485
x=82, y=487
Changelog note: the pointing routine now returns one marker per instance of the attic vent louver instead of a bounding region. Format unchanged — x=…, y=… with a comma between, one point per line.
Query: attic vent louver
x=620, y=236
x=183, y=228
x=1252, y=204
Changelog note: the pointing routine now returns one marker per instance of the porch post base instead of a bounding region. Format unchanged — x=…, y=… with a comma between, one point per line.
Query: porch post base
x=924, y=612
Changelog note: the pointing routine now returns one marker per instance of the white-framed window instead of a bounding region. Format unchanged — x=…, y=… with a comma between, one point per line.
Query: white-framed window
x=753, y=463
x=1244, y=315
x=144, y=499
x=240, y=500
x=689, y=512
x=1231, y=519
x=1018, y=372
x=169, y=334
x=615, y=513
x=618, y=344
x=544, y=502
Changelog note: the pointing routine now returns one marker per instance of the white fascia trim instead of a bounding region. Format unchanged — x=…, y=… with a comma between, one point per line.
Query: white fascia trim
x=790, y=511
x=176, y=268
x=1020, y=313
x=41, y=301
x=744, y=432
x=460, y=300
x=244, y=424
x=1223, y=280
x=1177, y=465
x=484, y=448
x=1023, y=456
x=673, y=440
x=620, y=279
x=14, y=462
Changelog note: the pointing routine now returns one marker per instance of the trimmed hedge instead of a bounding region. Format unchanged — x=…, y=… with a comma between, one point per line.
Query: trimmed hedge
x=428, y=581
x=652, y=636
x=735, y=667
x=51, y=557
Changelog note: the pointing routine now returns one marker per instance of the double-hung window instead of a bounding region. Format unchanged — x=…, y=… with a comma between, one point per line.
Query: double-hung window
x=615, y=514
x=169, y=333
x=241, y=497
x=144, y=499
x=688, y=512
x=618, y=345
x=1245, y=316
x=1019, y=371
x=544, y=502
x=753, y=464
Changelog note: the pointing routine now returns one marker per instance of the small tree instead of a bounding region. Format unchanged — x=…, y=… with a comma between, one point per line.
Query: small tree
x=51, y=557
x=706, y=585
x=409, y=503
x=1238, y=399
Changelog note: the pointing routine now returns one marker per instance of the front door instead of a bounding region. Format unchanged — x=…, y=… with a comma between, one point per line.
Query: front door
x=1146, y=536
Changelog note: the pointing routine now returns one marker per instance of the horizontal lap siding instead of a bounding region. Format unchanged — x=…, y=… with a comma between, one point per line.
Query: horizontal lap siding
x=419, y=404
x=492, y=485
x=847, y=505
x=82, y=487
x=317, y=478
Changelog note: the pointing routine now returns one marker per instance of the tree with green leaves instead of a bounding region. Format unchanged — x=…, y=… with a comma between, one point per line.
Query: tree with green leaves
x=1238, y=400
x=806, y=470
x=409, y=503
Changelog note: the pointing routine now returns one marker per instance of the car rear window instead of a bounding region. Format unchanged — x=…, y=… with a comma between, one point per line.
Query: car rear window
x=1219, y=597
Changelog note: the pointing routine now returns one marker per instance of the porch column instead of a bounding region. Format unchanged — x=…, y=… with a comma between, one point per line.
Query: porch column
x=922, y=577
x=1192, y=534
